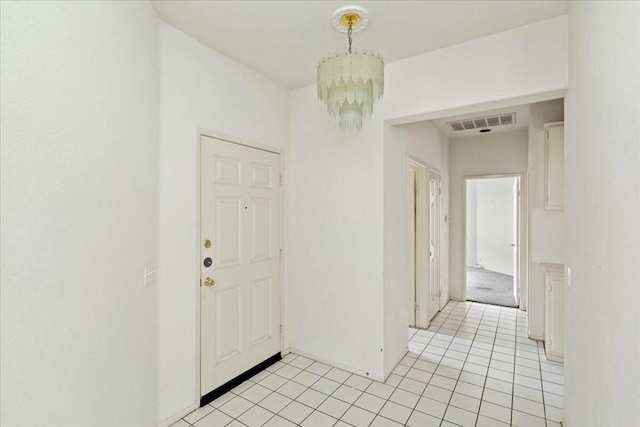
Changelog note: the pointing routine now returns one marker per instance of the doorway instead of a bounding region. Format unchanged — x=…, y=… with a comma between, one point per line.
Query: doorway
x=492, y=239
x=240, y=286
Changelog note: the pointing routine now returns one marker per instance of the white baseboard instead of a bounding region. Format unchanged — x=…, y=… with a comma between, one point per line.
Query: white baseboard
x=175, y=418
x=338, y=365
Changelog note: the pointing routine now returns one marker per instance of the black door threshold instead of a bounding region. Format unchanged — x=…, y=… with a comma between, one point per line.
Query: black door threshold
x=214, y=394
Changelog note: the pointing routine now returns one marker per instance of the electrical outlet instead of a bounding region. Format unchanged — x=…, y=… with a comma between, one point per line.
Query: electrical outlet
x=149, y=276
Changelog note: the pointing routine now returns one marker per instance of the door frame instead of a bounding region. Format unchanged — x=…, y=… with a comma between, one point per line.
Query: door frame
x=522, y=224
x=421, y=259
x=198, y=247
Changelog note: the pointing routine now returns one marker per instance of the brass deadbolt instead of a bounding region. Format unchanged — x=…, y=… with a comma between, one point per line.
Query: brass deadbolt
x=207, y=243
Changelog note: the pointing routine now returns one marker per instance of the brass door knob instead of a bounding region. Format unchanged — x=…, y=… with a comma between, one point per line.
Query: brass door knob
x=209, y=282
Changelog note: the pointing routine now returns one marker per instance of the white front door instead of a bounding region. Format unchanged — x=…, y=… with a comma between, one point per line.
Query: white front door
x=434, y=243
x=240, y=259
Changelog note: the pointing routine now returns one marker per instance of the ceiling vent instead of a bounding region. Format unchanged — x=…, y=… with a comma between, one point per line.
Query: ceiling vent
x=483, y=122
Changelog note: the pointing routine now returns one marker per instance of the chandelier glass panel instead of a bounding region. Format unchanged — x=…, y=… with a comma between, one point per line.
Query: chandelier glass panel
x=349, y=82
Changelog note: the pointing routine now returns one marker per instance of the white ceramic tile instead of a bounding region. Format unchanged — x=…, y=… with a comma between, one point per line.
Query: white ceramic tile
x=358, y=382
x=404, y=398
x=496, y=397
x=494, y=411
x=214, y=419
x=553, y=388
x=431, y=407
x=393, y=380
x=334, y=407
x=288, y=371
x=520, y=419
x=527, y=393
x=273, y=382
x=471, y=378
x=295, y=412
x=528, y=406
x=418, y=375
x=380, y=421
x=358, y=417
x=255, y=416
x=437, y=393
x=319, y=368
x=369, y=402
x=256, y=393
x=347, y=394
x=412, y=386
x=198, y=414
x=222, y=399
x=306, y=378
x=395, y=412
x=278, y=421
x=291, y=389
x=380, y=390
x=420, y=419
x=318, y=419
x=311, y=398
x=338, y=375
x=180, y=423
x=468, y=389
x=490, y=422
x=289, y=357
x=275, y=402
x=465, y=402
x=301, y=362
x=236, y=406
x=552, y=413
x=553, y=400
x=325, y=386
x=460, y=417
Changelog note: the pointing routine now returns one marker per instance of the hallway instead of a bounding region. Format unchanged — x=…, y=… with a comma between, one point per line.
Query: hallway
x=474, y=366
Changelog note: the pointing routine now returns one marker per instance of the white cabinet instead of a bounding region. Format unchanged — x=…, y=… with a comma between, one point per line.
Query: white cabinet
x=554, y=166
x=554, y=311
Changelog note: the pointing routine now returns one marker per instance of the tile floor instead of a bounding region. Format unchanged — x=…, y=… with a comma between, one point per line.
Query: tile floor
x=474, y=366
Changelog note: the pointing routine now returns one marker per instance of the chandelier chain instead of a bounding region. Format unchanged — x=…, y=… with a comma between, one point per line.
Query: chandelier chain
x=349, y=31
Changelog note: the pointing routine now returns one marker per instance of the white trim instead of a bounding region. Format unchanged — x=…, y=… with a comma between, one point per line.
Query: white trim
x=178, y=416
x=211, y=134
x=339, y=365
x=522, y=224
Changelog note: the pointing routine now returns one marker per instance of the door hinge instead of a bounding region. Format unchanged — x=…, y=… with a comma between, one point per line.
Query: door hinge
x=440, y=191
x=416, y=307
x=281, y=180
x=280, y=329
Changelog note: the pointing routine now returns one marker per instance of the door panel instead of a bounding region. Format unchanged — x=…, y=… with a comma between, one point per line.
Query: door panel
x=434, y=243
x=240, y=289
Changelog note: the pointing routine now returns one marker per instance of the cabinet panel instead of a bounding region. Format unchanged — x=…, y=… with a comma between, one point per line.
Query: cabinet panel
x=554, y=166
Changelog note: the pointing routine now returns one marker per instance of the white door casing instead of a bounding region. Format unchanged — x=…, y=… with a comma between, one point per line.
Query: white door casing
x=412, y=210
x=240, y=216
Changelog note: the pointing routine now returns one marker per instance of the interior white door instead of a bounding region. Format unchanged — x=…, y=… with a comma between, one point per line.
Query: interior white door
x=516, y=240
x=240, y=238
x=434, y=242
x=411, y=282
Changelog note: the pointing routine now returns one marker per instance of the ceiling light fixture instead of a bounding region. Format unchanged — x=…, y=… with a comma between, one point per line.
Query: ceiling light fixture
x=349, y=82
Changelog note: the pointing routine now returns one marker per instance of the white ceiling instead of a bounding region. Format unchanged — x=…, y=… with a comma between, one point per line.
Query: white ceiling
x=521, y=123
x=283, y=40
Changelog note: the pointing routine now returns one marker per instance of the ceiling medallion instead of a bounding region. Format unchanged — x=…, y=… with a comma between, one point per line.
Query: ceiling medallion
x=349, y=82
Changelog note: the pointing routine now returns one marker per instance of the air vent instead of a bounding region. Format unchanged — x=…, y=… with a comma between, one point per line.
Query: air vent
x=483, y=122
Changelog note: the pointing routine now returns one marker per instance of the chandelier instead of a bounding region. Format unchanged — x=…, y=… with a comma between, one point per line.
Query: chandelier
x=349, y=82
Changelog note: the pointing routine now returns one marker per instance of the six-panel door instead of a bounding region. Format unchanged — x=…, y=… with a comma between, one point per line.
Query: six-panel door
x=240, y=216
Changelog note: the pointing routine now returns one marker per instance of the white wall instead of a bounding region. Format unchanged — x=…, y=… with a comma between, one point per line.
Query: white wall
x=602, y=183
x=334, y=242
x=495, y=203
x=425, y=143
x=79, y=115
x=199, y=88
x=472, y=223
x=546, y=231
x=334, y=261
x=482, y=155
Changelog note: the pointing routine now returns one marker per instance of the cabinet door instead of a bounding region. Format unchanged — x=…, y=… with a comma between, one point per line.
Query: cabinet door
x=554, y=317
x=554, y=167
